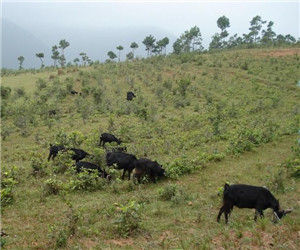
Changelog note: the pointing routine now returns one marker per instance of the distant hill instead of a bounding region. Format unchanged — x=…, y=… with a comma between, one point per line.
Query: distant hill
x=17, y=41
x=95, y=42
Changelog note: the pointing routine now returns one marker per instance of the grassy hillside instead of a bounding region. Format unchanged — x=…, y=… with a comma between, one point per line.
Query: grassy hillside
x=207, y=118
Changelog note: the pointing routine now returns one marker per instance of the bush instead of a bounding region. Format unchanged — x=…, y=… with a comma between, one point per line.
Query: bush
x=52, y=186
x=168, y=192
x=39, y=166
x=89, y=181
x=128, y=218
x=20, y=92
x=8, y=181
x=41, y=84
x=5, y=92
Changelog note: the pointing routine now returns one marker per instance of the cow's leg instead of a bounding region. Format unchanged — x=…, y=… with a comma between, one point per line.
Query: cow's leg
x=129, y=173
x=260, y=212
x=226, y=215
x=49, y=157
x=220, y=213
x=153, y=179
x=123, y=175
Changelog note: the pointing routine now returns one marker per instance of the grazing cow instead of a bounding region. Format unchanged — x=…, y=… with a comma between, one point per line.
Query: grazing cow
x=80, y=165
x=246, y=196
x=79, y=154
x=147, y=167
x=74, y=92
x=130, y=95
x=106, y=137
x=52, y=112
x=123, y=161
x=53, y=151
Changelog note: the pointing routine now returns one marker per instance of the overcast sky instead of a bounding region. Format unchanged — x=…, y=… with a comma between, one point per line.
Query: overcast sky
x=173, y=16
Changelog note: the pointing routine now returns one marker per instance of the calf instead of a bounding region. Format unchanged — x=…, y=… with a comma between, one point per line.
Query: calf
x=122, y=160
x=246, y=196
x=80, y=165
x=130, y=95
x=53, y=151
x=79, y=154
x=106, y=137
x=147, y=167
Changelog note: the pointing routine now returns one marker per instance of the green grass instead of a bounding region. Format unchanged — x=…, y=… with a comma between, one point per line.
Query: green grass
x=231, y=123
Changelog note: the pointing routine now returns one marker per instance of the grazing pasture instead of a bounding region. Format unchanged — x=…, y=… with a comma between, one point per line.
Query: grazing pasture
x=208, y=119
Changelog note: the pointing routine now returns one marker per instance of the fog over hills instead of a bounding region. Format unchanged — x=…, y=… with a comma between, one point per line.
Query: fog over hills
x=95, y=42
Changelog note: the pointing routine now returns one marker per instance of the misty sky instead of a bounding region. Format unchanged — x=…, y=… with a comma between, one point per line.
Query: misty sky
x=51, y=20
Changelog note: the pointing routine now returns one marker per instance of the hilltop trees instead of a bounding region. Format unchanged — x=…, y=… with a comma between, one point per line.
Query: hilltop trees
x=120, y=48
x=133, y=46
x=21, y=60
x=162, y=44
x=76, y=61
x=130, y=56
x=190, y=40
x=111, y=55
x=55, y=55
x=149, y=42
x=41, y=57
x=256, y=25
x=84, y=58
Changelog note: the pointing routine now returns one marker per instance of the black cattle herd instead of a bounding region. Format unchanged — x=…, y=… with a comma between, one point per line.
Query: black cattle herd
x=239, y=195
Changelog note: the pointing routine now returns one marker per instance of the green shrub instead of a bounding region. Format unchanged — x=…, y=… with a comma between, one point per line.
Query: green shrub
x=8, y=181
x=167, y=192
x=39, y=165
x=128, y=218
x=88, y=181
x=41, y=84
x=5, y=92
x=52, y=186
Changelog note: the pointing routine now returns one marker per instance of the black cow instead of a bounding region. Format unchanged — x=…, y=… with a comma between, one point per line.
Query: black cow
x=130, y=95
x=106, y=137
x=52, y=112
x=147, y=167
x=53, y=151
x=119, y=149
x=74, y=92
x=246, y=196
x=79, y=154
x=123, y=161
x=80, y=165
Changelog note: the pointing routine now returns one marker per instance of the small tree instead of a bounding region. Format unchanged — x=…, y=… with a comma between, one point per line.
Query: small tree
x=165, y=42
x=111, y=55
x=76, y=61
x=130, y=56
x=120, y=48
x=218, y=39
x=256, y=25
x=63, y=44
x=55, y=55
x=149, y=42
x=84, y=58
x=41, y=57
x=134, y=46
x=268, y=35
x=21, y=60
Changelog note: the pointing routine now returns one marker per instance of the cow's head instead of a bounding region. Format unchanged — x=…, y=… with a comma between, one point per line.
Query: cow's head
x=281, y=213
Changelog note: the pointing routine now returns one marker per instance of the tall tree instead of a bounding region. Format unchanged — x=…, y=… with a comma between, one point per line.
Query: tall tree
x=165, y=42
x=195, y=38
x=84, y=58
x=218, y=39
x=149, y=42
x=133, y=46
x=177, y=46
x=268, y=35
x=21, y=60
x=63, y=44
x=111, y=55
x=256, y=25
x=55, y=55
x=41, y=57
x=120, y=48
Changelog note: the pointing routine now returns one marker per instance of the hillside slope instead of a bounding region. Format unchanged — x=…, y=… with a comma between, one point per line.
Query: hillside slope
x=196, y=114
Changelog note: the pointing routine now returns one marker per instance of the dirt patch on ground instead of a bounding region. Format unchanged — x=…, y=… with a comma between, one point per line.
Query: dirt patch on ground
x=281, y=52
x=121, y=242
